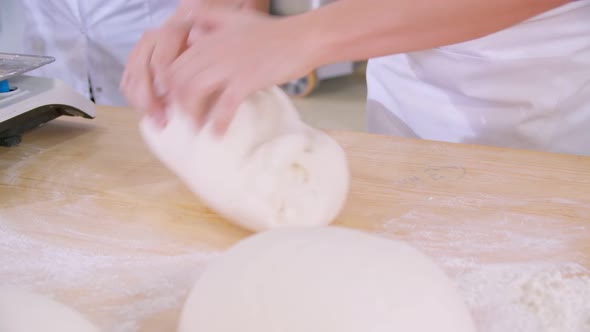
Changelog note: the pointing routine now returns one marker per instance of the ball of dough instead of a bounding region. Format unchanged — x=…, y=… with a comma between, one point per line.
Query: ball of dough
x=22, y=311
x=323, y=279
x=268, y=170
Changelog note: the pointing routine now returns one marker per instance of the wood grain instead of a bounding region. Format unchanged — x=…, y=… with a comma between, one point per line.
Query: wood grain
x=77, y=183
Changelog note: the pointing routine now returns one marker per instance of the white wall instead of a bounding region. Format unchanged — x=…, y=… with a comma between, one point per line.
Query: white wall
x=11, y=26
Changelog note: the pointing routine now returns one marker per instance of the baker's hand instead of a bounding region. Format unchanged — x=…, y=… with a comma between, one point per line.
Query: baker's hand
x=156, y=50
x=240, y=53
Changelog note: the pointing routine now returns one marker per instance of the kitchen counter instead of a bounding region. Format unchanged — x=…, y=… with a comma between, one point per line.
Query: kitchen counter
x=89, y=215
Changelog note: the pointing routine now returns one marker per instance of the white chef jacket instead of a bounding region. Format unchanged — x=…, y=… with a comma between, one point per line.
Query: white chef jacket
x=90, y=39
x=527, y=86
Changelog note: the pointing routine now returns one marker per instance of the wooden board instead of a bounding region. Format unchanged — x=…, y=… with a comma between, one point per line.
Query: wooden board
x=89, y=215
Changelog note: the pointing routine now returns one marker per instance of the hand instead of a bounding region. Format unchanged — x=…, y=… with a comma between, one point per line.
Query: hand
x=155, y=51
x=238, y=54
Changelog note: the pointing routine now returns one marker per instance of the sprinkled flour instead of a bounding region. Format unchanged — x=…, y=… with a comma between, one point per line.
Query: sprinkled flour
x=144, y=282
x=528, y=297
x=515, y=272
x=534, y=286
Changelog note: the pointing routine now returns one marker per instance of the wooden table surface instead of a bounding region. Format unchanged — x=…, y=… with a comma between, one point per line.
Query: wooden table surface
x=89, y=215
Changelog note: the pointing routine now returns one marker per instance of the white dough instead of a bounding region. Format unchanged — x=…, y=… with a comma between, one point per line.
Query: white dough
x=323, y=279
x=269, y=170
x=22, y=311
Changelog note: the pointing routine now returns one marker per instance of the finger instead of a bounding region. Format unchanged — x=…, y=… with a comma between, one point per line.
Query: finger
x=160, y=118
x=226, y=107
x=140, y=80
x=129, y=67
x=145, y=97
x=198, y=95
x=171, y=44
x=205, y=50
x=187, y=66
x=124, y=81
x=142, y=49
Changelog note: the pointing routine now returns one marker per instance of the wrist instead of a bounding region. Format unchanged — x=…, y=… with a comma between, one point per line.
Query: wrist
x=306, y=32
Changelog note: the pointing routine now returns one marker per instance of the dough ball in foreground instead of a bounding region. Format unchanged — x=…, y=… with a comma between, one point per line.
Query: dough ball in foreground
x=269, y=170
x=324, y=279
x=21, y=311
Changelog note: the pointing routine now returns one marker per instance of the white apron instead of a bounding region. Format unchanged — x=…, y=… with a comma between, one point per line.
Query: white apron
x=524, y=87
x=90, y=39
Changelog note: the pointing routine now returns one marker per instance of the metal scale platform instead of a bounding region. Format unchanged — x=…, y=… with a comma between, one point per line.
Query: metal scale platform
x=27, y=102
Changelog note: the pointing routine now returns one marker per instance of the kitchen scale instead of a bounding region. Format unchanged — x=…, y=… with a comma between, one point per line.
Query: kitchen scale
x=27, y=102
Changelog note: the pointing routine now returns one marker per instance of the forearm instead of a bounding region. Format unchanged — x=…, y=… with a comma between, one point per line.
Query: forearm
x=350, y=30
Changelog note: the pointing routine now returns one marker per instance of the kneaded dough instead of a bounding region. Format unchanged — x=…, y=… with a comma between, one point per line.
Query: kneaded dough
x=269, y=170
x=22, y=311
x=324, y=279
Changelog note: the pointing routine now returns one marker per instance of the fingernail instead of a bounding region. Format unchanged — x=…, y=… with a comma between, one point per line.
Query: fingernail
x=219, y=129
x=160, y=119
x=202, y=120
x=199, y=123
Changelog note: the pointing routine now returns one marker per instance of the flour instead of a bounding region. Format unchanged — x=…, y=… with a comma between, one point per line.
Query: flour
x=559, y=301
x=532, y=297
x=517, y=272
x=144, y=282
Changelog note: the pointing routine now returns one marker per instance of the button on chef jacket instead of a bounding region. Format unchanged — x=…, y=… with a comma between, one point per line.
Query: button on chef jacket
x=90, y=39
x=527, y=86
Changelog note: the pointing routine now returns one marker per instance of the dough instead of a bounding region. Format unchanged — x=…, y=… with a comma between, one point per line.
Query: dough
x=21, y=311
x=269, y=170
x=323, y=279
